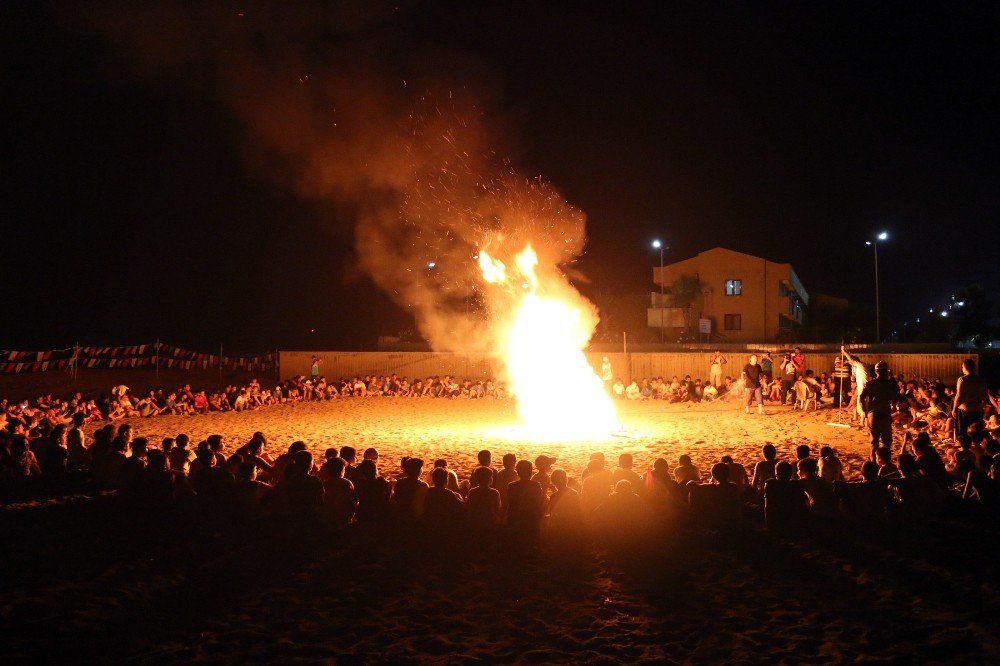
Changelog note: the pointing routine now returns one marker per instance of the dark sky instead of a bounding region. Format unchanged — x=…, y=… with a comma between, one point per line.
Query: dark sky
x=793, y=131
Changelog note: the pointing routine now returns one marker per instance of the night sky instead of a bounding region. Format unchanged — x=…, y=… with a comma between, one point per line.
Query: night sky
x=791, y=131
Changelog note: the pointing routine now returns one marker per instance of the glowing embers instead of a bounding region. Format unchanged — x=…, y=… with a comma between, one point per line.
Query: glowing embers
x=541, y=338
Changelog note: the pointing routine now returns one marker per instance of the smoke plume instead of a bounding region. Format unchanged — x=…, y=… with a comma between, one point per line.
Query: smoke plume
x=345, y=104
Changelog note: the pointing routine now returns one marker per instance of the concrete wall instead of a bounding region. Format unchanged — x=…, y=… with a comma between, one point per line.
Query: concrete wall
x=946, y=367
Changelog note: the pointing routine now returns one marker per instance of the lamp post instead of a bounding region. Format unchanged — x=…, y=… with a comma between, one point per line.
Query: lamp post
x=878, y=321
x=657, y=245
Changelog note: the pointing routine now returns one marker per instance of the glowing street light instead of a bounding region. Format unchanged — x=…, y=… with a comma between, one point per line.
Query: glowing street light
x=882, y=236
x=658, y=245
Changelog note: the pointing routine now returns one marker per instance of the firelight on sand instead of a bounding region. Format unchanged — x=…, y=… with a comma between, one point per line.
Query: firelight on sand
x=541, y=340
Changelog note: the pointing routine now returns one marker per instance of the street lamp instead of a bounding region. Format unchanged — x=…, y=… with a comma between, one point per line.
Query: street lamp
x=878, y=321
x=657, y=245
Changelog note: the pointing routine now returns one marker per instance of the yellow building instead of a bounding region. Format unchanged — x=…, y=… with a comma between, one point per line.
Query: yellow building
x=743, y=298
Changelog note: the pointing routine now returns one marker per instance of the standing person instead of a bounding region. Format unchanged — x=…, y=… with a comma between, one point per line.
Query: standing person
x=877, y=398
x=314, y=368
x=607, y=374
x=861, y=379
x=715, y=371
x=841, y=379
x=799, y=360
x=971, y=395
x=751, y=385
x=767, y=364
x=788, y=376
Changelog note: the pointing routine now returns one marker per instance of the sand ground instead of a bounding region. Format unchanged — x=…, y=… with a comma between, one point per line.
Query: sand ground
x=457, y=429
x=84, y=580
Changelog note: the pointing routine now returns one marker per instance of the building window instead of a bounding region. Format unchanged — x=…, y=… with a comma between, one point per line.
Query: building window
x=734, y=287
x=733, y=322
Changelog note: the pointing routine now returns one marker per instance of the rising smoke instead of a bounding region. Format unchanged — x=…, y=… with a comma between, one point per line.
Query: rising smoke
x=342, y=104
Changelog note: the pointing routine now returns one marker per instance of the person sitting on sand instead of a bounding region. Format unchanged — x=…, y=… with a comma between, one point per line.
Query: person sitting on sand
x=929, y=461
x=625, y=471
x=544, y=464
x=830, y=467
x=409, y=493
x=822, y=501
x=325, y=470
x=179, y=456
x=299, y=492
x=203, y=460
x=764, y=470
x=785, y=501
x=717, y=503
x=596, y=485
x=132, y=471
x=215, y=444
x=349, y=455
x=886, y=468
x=156, y=487
x=802, y=451
x=483, y=504
x=214, y=484
x=866, y=500
x=918, y=496
x=107, y=475
x=618, y=389
x=525, y=504
x=341, y=502
x=249, y=492
x=485, y=459
x=737, y=474
x=506, y=475
x=621, y=519
x=444, y=511
x=253, y=453
x=372, y=492
x=452, y=483
x=282, y=461
x=685, y=472
x=76, y=450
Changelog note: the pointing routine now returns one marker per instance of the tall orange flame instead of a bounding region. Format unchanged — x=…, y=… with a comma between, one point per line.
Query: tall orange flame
x=541, y=338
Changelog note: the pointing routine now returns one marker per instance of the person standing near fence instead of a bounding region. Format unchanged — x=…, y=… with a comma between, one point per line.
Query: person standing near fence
x=878, y=398
x=841, y=379
x=788, y=376
x=971, y=396
x=607, y=374
x=751, y=385
x=715, y=371
x=314, y=368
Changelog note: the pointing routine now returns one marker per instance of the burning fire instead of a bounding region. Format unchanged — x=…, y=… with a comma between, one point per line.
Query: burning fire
x=541, y=338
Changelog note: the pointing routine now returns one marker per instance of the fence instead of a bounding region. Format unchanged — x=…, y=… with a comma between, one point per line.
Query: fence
x=946, y=367
x=155, y=354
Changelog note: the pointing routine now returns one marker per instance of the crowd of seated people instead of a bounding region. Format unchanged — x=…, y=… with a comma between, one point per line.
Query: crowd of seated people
x=120, y=403
x=619, y=503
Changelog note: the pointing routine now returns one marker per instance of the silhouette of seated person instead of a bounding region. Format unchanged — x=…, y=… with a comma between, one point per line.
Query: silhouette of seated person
x=483, y=505
x=785, y=501
x=249, y=493
x=341, y=502
x=444, y=511
x=373, y=494
x=525, y=505
x=822, y=501
x=865, y=500
x=716, y=504
x=409, y=494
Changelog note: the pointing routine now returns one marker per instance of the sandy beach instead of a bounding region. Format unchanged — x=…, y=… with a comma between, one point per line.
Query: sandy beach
x=177, y=588
x=457, y=429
